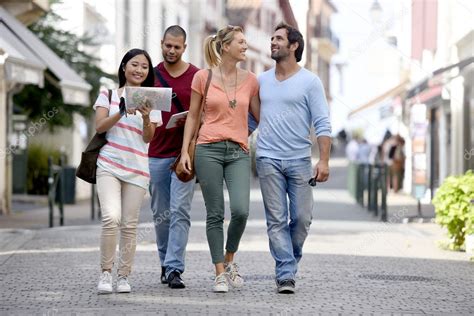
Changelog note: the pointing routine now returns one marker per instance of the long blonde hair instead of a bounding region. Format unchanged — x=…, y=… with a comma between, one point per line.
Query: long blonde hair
x=213, y=44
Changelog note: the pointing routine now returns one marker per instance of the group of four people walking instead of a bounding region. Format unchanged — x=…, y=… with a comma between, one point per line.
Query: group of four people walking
x=286, y=102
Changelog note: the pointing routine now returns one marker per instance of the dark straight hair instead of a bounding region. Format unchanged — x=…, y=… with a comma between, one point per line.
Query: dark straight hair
x=150, y=79
x=294, y=36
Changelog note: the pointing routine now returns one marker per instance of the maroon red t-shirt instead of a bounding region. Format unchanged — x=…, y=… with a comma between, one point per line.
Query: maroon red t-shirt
x=167, y=143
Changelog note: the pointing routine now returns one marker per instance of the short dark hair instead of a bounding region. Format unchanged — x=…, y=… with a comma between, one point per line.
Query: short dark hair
x=175, y=30
x=294, y=36
x=150, y=78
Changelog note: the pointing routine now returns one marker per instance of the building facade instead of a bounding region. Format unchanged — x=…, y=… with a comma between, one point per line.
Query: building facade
x=321, y=42
x=25, y=59
x=84, y=19
x=141, y=23
x=259, y=19
x=439, y=105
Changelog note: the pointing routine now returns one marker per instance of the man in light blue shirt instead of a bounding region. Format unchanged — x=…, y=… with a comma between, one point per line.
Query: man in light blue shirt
x=292, y=101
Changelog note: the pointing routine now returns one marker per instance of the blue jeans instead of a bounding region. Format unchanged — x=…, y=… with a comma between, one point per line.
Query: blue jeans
x=279, y=179
x=170, y=204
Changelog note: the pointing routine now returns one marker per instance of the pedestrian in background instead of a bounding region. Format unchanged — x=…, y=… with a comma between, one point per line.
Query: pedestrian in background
x=352, y=148
x=394, y=156
x=397, y=167
x=170, y=197
x=363, y=152
x=222, y=151
x=122, y=168
x=284, y=150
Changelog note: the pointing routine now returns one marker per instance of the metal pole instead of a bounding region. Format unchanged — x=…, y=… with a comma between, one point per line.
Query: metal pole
x=419, y=208
x=370, y=185
x=365, y=184
x=383, y=216
x=62, y=184
x=376, y=192
x=359, y=191
x=50, y=190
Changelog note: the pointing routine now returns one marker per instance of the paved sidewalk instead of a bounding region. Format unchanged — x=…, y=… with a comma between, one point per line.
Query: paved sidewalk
x=352, y=264
x=348, y=268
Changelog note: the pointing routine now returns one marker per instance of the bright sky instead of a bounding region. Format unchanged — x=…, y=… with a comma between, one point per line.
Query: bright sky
x=358, y=41
x=358, y=36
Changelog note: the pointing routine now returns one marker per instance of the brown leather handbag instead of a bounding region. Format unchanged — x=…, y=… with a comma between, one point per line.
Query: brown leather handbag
x=176, y=166
x=88, y=166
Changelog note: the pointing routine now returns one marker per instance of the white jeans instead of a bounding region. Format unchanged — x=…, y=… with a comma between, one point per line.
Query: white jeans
x=120, y=204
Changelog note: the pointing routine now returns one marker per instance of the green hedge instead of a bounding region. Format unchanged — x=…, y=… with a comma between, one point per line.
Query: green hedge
x=37, y=174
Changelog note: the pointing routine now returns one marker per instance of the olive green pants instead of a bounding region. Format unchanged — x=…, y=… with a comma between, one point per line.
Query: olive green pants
x=214, y=163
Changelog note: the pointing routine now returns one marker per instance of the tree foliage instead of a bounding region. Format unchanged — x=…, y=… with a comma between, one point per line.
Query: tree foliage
x=34, y=101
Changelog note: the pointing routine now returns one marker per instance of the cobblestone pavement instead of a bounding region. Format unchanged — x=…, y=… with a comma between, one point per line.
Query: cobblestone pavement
x=352, y=264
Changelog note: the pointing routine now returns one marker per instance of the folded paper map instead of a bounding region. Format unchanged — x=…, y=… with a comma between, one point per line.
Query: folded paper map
x=158, y=98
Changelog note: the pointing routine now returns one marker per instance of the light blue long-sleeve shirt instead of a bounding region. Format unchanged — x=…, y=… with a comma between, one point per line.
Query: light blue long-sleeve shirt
x=288, y=110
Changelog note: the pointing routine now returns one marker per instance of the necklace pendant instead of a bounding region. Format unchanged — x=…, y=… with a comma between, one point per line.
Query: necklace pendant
x=233, y=103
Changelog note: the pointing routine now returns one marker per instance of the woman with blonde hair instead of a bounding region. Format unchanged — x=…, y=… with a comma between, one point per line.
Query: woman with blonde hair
x=222, y=151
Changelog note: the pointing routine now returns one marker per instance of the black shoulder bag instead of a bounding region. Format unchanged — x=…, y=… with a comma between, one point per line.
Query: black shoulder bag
x=88, y=167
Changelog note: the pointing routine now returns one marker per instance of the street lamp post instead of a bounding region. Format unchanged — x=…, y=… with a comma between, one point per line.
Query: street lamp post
x=376, y=12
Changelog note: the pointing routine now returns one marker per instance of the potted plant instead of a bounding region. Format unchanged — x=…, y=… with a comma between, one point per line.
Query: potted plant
x=454, y=209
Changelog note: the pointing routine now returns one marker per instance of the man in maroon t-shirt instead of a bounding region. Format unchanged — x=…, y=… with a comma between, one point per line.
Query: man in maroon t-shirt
x=171, y=198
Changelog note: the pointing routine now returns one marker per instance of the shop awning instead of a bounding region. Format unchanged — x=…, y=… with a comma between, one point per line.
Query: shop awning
x=395, y=91
x=431, y=86
x=463, y=63
x=427, y=95
x=21, y=65
x=25, y=48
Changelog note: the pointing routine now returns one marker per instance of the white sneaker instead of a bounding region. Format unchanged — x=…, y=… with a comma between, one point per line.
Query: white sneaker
x=122, y=285
x=105, y=283
x=220, y=283
x=233, y=276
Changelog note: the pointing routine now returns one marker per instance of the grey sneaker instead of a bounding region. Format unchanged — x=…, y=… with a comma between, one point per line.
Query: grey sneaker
x=220, y=283
x=105, y=283
x=122, y=285
x=286, y=286
x=233, y=276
